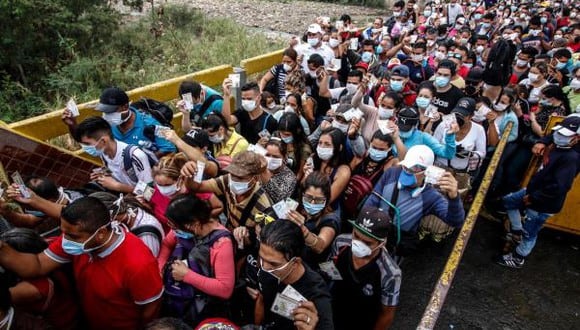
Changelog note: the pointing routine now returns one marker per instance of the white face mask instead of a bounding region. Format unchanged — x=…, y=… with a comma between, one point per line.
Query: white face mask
x=500, y=107
x=249, y=105
x=386, y=113
x=324, y=153
x=360, y=249
x=115, y=118
x=479, y=114
x=287, y=67
x=7, y=321
x=521, y=63
x=342, y=127
x=533, y=77
x=216, y=139
x=351, y=88
x=333, y=42
x=239, y=188
x=289, y=108
x=575, y=84
x=274, y=163
x=313, y=41
x=168, y=190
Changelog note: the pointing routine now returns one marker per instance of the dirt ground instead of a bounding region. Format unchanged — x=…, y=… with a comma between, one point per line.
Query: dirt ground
x=544, y=294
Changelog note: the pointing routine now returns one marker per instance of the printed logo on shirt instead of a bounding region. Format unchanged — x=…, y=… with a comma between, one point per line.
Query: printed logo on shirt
x=368, y=290
x=440, y=103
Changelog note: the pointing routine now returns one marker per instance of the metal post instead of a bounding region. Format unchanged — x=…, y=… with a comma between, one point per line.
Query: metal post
x=237, y=91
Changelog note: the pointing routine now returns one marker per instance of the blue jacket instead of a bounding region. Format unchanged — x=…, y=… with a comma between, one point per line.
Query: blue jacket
x=136, y=137
x=413, y=209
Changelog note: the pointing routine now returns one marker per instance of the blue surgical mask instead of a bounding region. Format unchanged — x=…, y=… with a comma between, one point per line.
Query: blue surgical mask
x=288, y=139
x=396, y=85
x=92, y=150
x=183, y=234
x=312, y=209
x=544, y=20
x=562, y=141
x=441, y=81
x=407, y=179
x=71, y=247
x=423, y=102
x=560, y=65
x=379, y=50
x=546, y=103
x=407, y=134
x=366, y=57
x=378, y=155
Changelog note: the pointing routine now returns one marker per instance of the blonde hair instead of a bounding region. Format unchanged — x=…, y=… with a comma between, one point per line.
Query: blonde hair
x=170, y=165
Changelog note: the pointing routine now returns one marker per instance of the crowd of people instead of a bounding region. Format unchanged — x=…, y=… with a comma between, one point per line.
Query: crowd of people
x=296, y=210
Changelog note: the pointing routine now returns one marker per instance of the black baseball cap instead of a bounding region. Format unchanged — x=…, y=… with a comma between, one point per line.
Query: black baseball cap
x=465, y=106
x=475, y=75
x=111, y=99
x=570, y=126
x=407, y=118
x=196, y=138
x=373, y=222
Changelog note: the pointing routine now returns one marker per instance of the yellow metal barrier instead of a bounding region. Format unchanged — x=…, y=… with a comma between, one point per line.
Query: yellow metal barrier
x=444, y=283
x=49, y=126
x=262, y=63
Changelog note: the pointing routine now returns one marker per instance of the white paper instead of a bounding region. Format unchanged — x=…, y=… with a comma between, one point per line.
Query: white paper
x=353, y=44
x=281, y=209
x=433, y=174
x=329, y=268
x=140, y=188
x=448, y=120
x=235, y=78
x=199, y=174
x=188, y=99
x=339, y=25
x=72, y=107
x=291, y=293
x=284, y=306
x=384, y=126
x=257, y=149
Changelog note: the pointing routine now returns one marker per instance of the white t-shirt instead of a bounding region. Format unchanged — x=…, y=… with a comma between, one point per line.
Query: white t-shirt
x=535, y=92
x=474, y=141
x=145, y=219
x=306, y=50
x=453, y=12
x=140, y=163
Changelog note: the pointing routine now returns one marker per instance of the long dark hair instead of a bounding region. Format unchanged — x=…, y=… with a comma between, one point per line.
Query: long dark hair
x=290, y=122
x=555, y=91
x=339, y=154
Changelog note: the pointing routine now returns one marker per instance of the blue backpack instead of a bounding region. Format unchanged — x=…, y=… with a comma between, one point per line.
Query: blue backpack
x=183, y=300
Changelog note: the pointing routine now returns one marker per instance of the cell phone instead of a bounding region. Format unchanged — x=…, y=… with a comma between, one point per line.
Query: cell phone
x=16, y=178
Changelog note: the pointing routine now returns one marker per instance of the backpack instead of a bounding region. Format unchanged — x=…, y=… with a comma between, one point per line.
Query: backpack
x=148, y=229
x=359, y=187
x=183, y=300
x=498, y=68
x=208, y=102
x=156, y=109
x=128, y=160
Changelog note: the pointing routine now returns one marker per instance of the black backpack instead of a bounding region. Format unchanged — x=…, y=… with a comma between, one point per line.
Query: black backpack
x=498, y=68
x=156, y=109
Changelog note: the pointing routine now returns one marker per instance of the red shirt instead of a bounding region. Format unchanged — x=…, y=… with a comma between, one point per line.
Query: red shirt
x=113, y=285
x=463, y=71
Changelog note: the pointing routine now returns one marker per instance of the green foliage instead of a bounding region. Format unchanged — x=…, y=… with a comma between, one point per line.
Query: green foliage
x=366, y=3
x=173, y=41
x=17, y=101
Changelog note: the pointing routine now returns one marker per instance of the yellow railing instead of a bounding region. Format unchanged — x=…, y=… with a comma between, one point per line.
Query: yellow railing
x=49, y=126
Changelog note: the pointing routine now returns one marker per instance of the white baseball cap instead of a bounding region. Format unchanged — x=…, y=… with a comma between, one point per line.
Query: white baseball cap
x=314, y=28
x=418, y=155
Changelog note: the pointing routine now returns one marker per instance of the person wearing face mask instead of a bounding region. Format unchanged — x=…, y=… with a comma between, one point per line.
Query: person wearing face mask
x=474, y=83
x=427, y=116
x=282, y=244
x=128, y=125
x=105, y=260
x=273, y=80
x=205, y=101
x=419, y=70
x=521, y=66
x=573, y=91
x=446, y=94
x=252, y=119
x=199, y=288
x=42, y=210
x=127, y=164
x=389, y=104
x=553, y=102
x=278, y=181
x=399, y=83
x=128, y=211
x=405, y=186
x=40, y=303
x=314, y=45
x=330, y=159
x=452, y=11
x=407, y=130
x=311, y=103
x=225, y=142
x=168, y=183
x=368, y=294
x=536, y=81
x=470, y=144
x=535, y=37
x=546, y=192
x=319, y=224
x=294, y=105
x=297, y=145
x=344, y=94
x=242, y=192
x=561, y=60
x=374, y=32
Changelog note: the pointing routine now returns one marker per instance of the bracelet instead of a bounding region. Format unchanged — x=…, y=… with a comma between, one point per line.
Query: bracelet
x=312, y=244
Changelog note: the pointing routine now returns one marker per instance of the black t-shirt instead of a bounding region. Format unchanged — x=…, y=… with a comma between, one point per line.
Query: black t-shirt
x=446, y=101
x=250, y=128
x=310, y=285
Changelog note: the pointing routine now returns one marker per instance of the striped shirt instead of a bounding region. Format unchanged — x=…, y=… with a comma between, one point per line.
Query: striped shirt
x=220, y=186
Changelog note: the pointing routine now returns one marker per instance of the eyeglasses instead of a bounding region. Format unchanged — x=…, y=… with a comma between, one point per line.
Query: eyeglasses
x=314, y=200
x=454, y=55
